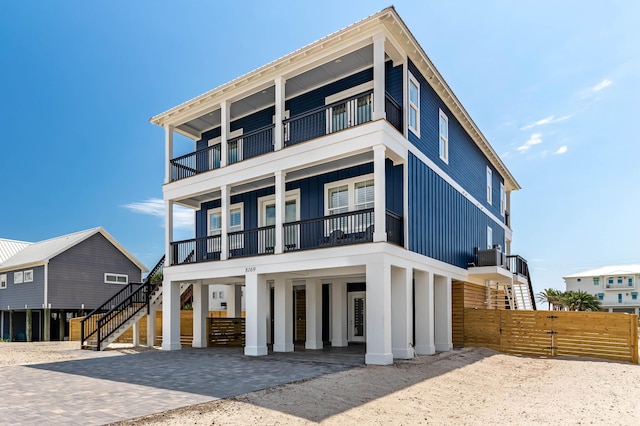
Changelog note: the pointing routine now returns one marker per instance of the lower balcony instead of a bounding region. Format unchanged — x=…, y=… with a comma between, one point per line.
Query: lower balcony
x=495, y=265
x=329, y=231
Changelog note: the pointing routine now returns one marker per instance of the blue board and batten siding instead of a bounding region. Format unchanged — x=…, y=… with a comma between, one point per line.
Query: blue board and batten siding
x=310, y=100
x=444, y=224
x=16, y=296
x=76, y=276
x=312, y=195
x=467, y=164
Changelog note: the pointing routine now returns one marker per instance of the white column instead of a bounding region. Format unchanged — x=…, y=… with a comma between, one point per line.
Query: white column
x=283, y=315
x=379, y=202
x=136, y=334
x=151, y=326
x=314, y=314
x=234, y=301
x=339, y=313
x=200, y=314
x=378, y=314
x=378, y=77
x=168, y=233
x=402, y=313
x=443, y=337
x=256, y=299
x=224, y=222
x=280, y=206
x=168, y=151
x=170, y=316
x=225, y=109
x=278, y=135
x=424, y=313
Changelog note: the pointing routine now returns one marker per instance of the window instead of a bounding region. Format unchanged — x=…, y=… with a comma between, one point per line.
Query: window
x=630, y=282
x=347, y=196
x=596, y=280
x=116, y=278
x=267, y=217
x=214, y=295
x=221, y=294
x=619, y=280
x=444, y=137
x=214, y=226
x=353, y=111
x=489, y=186
x=3, y=281
x=28, y=276
x=610, y=280
x=634, y=295
x=18, y=277
x=414, y=105
x=503, y=199
x=600, y=296
x=619, y=297
x=489, y=237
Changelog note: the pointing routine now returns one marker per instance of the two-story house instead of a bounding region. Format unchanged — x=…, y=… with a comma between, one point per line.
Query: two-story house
x=344, y=188
x=616, y=286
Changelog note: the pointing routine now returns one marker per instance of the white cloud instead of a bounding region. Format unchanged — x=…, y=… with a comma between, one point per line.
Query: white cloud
x=598, y=87
x=561, y=150
x=182, y=216
x=535, y=139
x=548, y=120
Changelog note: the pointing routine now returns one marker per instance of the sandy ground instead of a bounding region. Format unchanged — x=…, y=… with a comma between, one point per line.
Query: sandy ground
x=21, y=353
x=468, y=386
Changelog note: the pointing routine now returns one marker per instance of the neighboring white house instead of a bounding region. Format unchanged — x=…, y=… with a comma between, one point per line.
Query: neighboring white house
x=221, y=294
x=615, y=286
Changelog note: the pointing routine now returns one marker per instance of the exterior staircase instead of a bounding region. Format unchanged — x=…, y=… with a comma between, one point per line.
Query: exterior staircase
x=106, y=323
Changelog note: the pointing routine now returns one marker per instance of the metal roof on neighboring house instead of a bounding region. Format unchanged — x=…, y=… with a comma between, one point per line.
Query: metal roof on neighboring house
x=43, y=251
x=612, y=270
x=9, y=248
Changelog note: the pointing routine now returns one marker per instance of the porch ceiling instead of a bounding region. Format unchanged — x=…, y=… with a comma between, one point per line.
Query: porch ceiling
x=330, y=71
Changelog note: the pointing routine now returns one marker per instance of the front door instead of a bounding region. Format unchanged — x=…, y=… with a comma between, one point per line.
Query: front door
x=357, y=316
x=268, y=218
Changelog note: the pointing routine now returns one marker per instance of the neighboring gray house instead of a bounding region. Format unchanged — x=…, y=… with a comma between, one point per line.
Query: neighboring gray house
x=44, y=284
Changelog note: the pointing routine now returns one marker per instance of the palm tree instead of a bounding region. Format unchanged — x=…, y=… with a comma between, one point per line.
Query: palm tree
x=550, y=297
x=580, y=301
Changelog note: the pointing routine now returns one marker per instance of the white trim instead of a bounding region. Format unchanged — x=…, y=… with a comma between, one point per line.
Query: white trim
x=116, y=278
x=293, y=194
x=411, y=105
x=489, y=185
x=28, y=276
x=503, y=199
x=18, y=277
x=217, y=140
x=350, y=184
x=232, y=207
x=489, y=237
x=3, y=281
x=347, y=93
x=441, y=139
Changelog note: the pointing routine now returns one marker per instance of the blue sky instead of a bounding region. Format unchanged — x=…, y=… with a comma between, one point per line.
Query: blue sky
x=554, y=86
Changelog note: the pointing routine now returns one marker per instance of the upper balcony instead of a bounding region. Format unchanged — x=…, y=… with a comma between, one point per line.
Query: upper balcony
x=314, y=123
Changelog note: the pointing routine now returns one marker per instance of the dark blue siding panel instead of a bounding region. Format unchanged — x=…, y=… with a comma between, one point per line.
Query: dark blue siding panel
x=467, y=163
x=315, y=98
x=393, y=187
x=210, y=134
x=443, y=224
x=393, y=83
x=311, y=196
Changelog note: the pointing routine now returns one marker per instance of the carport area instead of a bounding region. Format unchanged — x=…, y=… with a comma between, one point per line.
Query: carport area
x=102, y=389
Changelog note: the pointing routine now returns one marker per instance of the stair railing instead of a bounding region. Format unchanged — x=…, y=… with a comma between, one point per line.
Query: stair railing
x=112, y=312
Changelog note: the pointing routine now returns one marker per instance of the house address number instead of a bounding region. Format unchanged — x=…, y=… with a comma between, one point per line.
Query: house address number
x=250, y=269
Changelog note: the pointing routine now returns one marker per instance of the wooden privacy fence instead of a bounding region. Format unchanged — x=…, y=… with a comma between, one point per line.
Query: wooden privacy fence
x=226, y=331
x=554, y=333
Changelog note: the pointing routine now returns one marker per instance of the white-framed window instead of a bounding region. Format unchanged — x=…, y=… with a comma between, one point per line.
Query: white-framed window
x=18, y=277
x=214, y=227
x=110, y=278
x=503, y=199
x=267, y=217
x=3, y=281
x=414, y=105
x=28, y=276
x=489, y=237
x=349, y=113
x=221, y=294
x=443, y=142
x=489, y=185
x=349, y=195
x=214, y=295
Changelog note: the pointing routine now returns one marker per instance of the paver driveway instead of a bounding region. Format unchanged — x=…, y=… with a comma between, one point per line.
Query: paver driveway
x=101, y=390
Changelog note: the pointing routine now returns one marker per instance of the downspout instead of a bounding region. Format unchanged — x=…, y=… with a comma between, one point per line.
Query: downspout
x=46, y=286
